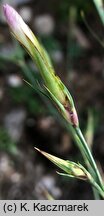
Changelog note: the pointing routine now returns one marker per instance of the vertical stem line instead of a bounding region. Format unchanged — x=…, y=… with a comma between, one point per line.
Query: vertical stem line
x=89, y=157
x=84, y=155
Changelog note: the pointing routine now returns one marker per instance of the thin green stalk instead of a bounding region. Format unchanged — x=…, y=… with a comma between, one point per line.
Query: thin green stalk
x=83, y=152
x=95, y=185
x=96, y=194
x=90, y=157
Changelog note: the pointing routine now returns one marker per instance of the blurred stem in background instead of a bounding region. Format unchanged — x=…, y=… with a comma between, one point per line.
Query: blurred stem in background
x=89, y=135
x=71, y=45
x=100, y=41
x=90, y=128
x=100, y=8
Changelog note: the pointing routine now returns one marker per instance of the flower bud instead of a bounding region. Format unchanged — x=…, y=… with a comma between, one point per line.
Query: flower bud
x=54, y=85
x=70, y=168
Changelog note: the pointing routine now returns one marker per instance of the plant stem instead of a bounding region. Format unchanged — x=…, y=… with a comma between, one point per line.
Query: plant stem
x=83, y=152
x=96, y=193
x=95, y=185
x=89, y=157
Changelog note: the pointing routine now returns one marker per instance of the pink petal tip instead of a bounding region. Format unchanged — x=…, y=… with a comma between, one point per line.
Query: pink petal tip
x=10, y=15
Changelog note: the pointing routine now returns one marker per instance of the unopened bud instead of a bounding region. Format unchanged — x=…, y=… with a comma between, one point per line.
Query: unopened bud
x=54, y=85
x=70, y=168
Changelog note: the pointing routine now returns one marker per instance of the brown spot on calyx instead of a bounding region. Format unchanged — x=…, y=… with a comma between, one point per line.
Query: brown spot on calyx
x=66, y=104
x=72, y=116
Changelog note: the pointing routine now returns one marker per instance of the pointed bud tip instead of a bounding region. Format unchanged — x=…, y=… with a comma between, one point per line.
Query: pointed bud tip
x=36, y=149
x=5, y=6
x=7, y=9
x=11, y=15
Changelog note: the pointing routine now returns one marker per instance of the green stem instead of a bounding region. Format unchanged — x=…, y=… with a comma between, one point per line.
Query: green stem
x=95, y=185
x=89, y=157
x=96, y=193
x=84, y=155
